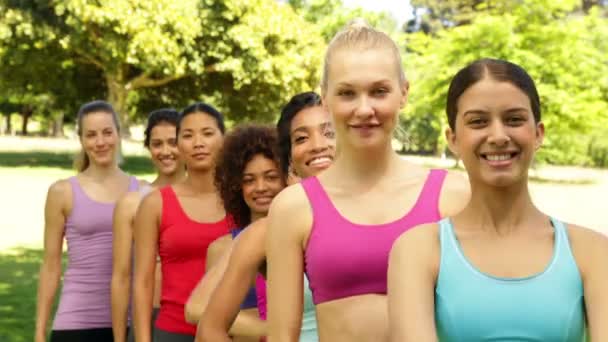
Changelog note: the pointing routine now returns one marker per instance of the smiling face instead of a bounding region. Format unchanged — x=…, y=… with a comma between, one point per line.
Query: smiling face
x=495, y=133
x=364, y=95
x=200, y=140
x=313, y=141
x=99, y=138
x=262, y=181
x=163, y=148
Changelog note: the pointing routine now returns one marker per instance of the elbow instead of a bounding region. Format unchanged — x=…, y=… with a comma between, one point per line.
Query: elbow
x=193, y=312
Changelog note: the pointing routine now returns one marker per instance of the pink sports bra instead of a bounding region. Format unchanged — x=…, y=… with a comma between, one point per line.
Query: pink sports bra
x=345, y=259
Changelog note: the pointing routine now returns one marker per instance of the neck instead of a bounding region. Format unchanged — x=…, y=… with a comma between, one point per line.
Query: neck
x=200, y=181
x=256, y=216
x=163, y=179
x=367, y=165
x=502, y=210
x=100, y=173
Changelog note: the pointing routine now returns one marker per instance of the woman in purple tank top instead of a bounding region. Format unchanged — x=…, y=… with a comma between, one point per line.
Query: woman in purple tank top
x=339, y=226
x=160, y=140
x=80, y=208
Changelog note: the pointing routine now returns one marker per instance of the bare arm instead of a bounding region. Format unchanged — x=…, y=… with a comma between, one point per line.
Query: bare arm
x=122, y=239
x=216, y=266
x=57, y=207
x=591, y=253
x=222, y=316
x=147, y=221
x=288, y=224
x=412, y=273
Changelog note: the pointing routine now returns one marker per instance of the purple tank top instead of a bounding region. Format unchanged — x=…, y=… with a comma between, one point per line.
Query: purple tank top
x=85, y=295
x=345, y=259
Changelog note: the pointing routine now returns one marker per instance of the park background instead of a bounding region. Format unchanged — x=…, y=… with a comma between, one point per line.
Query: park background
x=248, y=57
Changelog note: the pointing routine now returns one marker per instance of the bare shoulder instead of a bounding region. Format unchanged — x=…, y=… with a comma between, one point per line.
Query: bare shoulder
x=455, y=194
x=590, y=248
x=290, y=215
x=419, y=240
x=153, y=200
x=255, y=232
x=60, y=189
x=220, y=245
x=129, y=201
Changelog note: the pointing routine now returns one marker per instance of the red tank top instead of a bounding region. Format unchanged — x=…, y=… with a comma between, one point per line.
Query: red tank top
x=182, y=246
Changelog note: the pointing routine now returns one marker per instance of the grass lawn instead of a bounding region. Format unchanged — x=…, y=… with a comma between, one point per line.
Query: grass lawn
x=18, y=285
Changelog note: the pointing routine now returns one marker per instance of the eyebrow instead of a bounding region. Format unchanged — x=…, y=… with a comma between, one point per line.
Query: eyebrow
x=305, y=128
x=383, y=81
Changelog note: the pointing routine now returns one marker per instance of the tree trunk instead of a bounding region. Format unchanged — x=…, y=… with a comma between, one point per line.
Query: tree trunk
x=57, y=126
x=9, y=126
x=26, y=113
x=117, y=97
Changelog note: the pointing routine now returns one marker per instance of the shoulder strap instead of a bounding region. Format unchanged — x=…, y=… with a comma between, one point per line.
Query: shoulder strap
x=319, y=200
x=428, y=200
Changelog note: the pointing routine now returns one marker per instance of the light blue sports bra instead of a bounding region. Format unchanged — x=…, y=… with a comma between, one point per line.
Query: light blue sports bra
x=309, y=320
x=473, y=306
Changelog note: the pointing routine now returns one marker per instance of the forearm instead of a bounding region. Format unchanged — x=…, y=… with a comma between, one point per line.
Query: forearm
x=248, y=324
x=120, y=306
x=142, y=310
x=208, y=331
x=47, y=289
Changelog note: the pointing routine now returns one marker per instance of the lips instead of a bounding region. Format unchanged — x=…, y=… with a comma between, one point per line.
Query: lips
x=263, y=200
x=499, y=159
x=201, y=155
x=320, y=161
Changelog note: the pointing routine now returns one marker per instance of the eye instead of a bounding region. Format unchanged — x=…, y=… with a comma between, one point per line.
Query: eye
x=247, y=180
x=477, y=122
x=329, y=134
x=346, y=93
x=300, y=139
x=380, y=91
x=515, y=120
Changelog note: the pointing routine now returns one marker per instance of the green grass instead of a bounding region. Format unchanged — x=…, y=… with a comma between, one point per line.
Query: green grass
x=135, y=165
x=19, y=269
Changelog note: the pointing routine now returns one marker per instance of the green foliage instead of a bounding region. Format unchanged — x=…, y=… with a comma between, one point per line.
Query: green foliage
x=551, y=44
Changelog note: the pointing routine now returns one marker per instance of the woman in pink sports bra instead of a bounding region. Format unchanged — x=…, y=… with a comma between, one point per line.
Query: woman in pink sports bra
x=339, y=227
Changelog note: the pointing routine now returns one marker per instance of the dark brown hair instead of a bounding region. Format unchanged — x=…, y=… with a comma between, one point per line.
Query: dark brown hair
x=498, y=70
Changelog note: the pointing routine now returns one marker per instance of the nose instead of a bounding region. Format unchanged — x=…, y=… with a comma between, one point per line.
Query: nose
x=165, y=150
x=318, y=142
x=364, y=108
x=498, y=135
x=260, y=185
x=199, y=140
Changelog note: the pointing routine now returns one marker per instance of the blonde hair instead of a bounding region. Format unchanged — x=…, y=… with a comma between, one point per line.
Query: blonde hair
x=358, y=34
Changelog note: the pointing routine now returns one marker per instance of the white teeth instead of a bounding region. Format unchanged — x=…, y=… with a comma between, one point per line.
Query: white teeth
x=498, y=157
x=319, y=160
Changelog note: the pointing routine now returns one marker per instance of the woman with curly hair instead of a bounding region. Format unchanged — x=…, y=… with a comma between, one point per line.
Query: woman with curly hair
x=307, y=147
x=248, y=176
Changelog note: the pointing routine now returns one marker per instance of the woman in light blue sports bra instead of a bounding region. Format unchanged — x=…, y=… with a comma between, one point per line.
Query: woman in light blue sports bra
x=306, y=147
x=501, y=270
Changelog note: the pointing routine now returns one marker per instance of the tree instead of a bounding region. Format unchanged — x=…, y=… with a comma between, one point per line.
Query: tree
x=557, y=49
x=249, y=56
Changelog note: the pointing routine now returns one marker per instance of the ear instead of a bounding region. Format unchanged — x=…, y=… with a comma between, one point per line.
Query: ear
x=450, y=137
x=405, y=90
x=540, y=135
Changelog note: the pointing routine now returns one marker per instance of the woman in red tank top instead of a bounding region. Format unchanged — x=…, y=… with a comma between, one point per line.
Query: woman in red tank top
x=179, y=222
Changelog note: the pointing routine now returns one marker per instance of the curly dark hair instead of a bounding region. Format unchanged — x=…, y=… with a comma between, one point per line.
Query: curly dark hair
x=240, y=146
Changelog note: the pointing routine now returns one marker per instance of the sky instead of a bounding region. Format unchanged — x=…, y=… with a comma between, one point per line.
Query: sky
x=400, y=9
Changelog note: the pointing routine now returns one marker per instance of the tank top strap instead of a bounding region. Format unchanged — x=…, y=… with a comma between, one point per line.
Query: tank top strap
x=171, y=209
x=320, y=202
x=77, y=192
x=428, y=200
x=133, y=184
x=451, y=262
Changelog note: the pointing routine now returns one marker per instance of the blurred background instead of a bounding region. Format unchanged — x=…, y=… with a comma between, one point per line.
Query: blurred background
x=248, y=57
